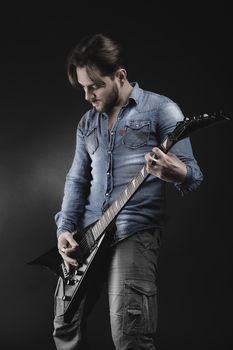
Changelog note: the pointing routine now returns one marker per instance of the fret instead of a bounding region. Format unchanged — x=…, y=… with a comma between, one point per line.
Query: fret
x=126, y=192
x=95, y=231
x=112, y=211
x=124, y=198
x=104, y=221
x=99, y=227
x=131, y=189
x=142, y=172
x=115, y=207
x=133, y=186
x=121, y=202
x=103, y=227
x=165, y=143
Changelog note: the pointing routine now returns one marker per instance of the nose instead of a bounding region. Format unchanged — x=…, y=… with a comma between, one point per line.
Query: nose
x=88, y=94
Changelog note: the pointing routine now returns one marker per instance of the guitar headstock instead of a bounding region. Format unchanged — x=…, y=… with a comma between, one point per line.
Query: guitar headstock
x=190, y=124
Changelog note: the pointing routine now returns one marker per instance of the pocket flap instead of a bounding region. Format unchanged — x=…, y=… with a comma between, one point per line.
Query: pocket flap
x=137, y=124
x=143, y=287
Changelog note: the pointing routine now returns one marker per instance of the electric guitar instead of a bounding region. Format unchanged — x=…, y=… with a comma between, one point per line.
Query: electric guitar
x=93, y=240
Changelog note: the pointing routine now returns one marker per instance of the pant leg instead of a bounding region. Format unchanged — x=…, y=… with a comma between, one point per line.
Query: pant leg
x=68, y=335
x=133, y=291
x=71, y=334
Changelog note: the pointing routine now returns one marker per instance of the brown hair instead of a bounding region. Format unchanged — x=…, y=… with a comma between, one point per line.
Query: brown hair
x=95, y=52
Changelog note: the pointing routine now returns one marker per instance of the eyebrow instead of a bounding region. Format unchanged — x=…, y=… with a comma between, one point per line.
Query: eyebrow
x=94, y=83
x=86, y=85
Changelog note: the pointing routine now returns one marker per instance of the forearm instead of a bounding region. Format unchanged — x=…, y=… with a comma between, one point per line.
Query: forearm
x=76, y=189
x=73, y=205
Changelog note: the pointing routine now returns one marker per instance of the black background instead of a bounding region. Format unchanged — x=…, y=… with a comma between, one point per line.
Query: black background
x=180, y=51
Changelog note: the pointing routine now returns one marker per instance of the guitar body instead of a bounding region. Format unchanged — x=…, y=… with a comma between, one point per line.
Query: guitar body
x=84, y=277
x=91, y=254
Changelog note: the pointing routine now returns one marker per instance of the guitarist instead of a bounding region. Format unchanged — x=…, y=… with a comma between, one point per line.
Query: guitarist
x=114, y=140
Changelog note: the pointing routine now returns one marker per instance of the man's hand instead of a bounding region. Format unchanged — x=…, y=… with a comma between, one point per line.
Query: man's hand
x=168, y=166
x=67, y=246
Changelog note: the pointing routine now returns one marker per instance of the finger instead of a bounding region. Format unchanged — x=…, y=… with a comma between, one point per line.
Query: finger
x=72, y=241
x=148, y=162
x=71, y=252
x=153, y=160
x=67, y=266
x=67, y=259
x=172, y=155
x=62, y=249
x=158, y=152
x=151, y=167
x=147, y=157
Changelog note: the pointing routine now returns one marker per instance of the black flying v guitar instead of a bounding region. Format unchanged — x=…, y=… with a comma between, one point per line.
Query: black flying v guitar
x=92, y=240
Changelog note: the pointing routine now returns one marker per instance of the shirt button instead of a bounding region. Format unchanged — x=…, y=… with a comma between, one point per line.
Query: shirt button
x=109, y=152
x=107, y=194
x=108, y=173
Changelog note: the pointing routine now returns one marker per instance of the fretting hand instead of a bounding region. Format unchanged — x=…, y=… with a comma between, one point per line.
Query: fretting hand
x=168, y=166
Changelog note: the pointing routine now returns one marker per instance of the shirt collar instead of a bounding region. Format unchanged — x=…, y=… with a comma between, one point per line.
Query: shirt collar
x=136, y=92
x=135, y=95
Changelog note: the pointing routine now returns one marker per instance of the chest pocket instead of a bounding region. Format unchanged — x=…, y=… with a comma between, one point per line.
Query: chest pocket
x=92, y=142
x=136, y=133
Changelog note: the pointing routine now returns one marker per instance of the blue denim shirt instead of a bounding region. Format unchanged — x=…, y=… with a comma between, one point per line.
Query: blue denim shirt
x=105, y=161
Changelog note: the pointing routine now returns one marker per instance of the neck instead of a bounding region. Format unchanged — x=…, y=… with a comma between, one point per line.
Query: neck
x=123, y=99
x=125, y=93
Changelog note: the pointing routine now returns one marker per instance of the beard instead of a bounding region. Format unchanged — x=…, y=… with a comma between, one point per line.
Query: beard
x=110, y=101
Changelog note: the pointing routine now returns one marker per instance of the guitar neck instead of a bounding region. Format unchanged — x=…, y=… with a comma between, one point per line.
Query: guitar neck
x=112, y=211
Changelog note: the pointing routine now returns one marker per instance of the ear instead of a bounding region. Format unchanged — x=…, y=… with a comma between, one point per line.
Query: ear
x=121, y=75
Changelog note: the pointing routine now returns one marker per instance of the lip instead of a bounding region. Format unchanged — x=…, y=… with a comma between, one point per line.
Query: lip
x=95, y=103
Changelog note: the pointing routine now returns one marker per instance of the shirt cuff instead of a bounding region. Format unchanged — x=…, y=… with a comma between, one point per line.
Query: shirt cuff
x=186, y=185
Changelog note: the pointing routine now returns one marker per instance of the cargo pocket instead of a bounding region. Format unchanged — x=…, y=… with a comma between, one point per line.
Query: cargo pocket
x=92, y=142
x=140, y=307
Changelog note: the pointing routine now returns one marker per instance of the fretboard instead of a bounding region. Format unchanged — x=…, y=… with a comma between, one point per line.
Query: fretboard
x=114, y=209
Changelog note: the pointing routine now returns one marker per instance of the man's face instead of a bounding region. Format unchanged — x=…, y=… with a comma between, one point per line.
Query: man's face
x=103, y=93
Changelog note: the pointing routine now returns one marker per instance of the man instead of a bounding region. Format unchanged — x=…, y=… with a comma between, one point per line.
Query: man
x=114, y=140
